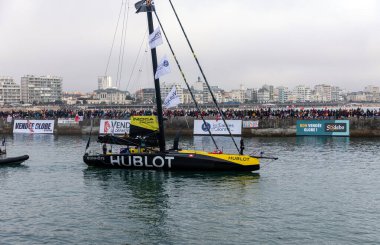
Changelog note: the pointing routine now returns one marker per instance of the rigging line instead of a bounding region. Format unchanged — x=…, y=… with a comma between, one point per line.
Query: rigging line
x=121, y=40
x=121, y=45
x=204, y=77
x=114, y=37
x=187, y=84
x=125, y=40
x=140, y=71
x=138, y=55
x=143, y=66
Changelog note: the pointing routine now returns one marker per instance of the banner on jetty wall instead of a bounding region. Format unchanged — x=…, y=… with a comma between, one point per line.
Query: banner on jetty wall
x=33, y=126
x=250, y=124
x=67, y=121
x=217, y=127
x=114, y=126
x=323, y=128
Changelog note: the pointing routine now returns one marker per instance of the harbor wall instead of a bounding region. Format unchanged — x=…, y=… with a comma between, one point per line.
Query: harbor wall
x=359, y=127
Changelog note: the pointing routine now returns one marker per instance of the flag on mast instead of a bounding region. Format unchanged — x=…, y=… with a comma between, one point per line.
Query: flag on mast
x=155, y=39
x=163, y=68
x=172, y=99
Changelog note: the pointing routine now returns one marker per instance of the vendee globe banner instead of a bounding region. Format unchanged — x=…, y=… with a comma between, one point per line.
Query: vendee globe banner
x=33, y=126
x=323, y=128
x=114, y=126
x=217, y=127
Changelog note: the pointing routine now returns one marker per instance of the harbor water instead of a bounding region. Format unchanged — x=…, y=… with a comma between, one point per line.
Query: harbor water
x=321, y=191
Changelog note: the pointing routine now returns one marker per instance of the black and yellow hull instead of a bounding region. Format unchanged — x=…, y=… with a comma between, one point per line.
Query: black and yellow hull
x=175, y=160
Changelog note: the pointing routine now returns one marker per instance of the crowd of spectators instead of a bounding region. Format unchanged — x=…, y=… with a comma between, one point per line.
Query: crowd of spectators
x=229, y=113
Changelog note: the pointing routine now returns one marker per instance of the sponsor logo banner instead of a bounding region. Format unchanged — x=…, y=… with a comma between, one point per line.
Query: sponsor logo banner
x=33, y=126
x=323, y=127
x=335, y=127
x=147, y=122
x=250, y=124
x=217, y=127
x=114, y=126
x=67, y=121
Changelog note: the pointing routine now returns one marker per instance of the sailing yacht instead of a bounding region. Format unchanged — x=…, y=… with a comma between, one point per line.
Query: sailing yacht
x=145, y=146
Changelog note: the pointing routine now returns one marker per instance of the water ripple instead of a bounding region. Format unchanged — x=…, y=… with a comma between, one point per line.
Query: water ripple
x=320, y=191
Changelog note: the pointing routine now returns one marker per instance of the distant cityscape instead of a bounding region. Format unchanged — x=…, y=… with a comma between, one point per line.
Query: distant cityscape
x=36, y=90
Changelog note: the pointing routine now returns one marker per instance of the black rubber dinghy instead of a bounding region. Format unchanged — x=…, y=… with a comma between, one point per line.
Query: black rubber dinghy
x=13, y=160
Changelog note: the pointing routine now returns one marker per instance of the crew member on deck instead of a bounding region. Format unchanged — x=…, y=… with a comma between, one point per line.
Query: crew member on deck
x=104, y=148
x=241, y=146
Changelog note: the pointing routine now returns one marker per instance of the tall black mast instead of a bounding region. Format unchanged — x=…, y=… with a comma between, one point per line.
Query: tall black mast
x=150, y=8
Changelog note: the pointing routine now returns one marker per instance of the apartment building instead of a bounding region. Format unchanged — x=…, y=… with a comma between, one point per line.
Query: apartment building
x=9, y=91
x=104, y=82
x=322, y=93
x=41, y=89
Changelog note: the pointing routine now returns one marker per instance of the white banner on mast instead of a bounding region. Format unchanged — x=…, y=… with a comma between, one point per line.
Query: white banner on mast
x=163, y=68
x=155, y=39
x=172, y=100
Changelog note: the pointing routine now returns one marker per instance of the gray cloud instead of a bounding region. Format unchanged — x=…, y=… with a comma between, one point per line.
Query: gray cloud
x=252, y=42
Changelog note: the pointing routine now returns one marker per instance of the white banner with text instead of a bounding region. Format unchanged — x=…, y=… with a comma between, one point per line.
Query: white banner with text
x=217, y=127
x=67, y=121
x=114, y=126
x=33, y=126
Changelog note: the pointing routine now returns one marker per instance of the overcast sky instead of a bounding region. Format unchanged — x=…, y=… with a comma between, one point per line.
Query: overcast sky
x=249, y=42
